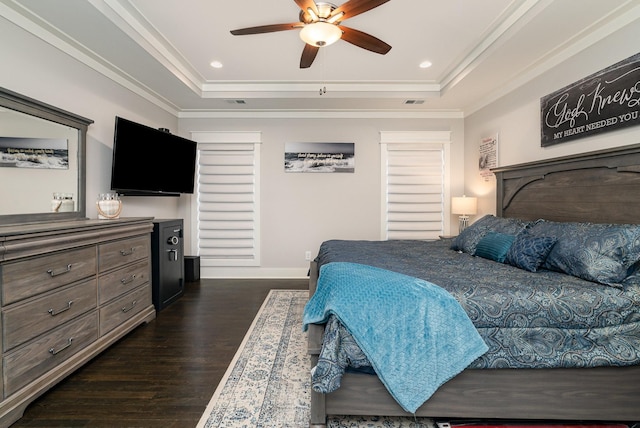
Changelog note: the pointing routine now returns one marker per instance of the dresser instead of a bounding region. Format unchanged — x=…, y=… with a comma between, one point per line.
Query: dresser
x=68, y=291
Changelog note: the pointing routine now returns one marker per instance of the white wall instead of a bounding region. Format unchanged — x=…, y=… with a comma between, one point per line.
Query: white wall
x=516, y=116
x=298, y=210
x=38, y=70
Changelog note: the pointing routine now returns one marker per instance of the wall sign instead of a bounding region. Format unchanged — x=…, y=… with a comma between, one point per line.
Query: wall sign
x=602, y=102
x=488, y=156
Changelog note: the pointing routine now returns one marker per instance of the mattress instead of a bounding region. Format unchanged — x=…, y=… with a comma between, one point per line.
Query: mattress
x=541, y=319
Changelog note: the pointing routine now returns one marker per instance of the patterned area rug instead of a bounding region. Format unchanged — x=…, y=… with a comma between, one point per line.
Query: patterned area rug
x=268, y=381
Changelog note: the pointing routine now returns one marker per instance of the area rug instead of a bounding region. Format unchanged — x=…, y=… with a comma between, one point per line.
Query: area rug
x=267, y=383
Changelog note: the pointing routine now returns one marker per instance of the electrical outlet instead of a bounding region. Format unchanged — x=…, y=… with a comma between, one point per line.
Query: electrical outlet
x=307, y=255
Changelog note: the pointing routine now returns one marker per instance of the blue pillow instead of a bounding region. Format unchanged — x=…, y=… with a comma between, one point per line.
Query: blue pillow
x=468, y=239
x=530, y=252
x=494, y=246
x=601, y=253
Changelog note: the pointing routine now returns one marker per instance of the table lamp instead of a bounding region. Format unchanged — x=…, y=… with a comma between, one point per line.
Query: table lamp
x=464, y=206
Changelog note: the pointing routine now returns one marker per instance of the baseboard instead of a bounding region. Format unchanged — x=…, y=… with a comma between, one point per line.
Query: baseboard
x=253, y=272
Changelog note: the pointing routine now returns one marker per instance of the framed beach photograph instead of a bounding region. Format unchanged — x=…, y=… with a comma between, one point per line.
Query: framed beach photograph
x=319, y=157
x=43, y=153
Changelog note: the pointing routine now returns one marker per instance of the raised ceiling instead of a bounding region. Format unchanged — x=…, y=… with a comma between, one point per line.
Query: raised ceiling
x=163, y=50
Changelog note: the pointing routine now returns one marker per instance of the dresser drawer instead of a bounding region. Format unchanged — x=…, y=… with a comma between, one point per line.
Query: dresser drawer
x=37, y=357
x=26, y=320
x=114, y=284
x=118, y=253
x=123, y=308
x=29, y=277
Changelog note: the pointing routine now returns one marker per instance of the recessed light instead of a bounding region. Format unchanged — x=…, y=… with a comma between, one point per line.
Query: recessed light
x=425, y=64
x=216, y=64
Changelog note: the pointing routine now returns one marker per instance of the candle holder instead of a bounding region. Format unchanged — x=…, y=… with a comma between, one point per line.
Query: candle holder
x=109, y=206
x=62, y=202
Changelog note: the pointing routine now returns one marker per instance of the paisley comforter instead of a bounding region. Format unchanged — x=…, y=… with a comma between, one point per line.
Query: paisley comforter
x=528, y=319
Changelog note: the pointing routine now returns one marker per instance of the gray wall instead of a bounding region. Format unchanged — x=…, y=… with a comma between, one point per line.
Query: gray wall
x=516, y=116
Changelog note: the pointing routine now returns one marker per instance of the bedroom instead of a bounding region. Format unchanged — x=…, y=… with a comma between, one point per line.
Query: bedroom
x=514, y=116
x=100, y=99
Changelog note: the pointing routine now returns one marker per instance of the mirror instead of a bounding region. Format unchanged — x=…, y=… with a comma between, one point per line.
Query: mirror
x=42, y=161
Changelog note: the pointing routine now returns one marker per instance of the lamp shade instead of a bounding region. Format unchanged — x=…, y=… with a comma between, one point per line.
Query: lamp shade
x=320, y=34
x=464, y=205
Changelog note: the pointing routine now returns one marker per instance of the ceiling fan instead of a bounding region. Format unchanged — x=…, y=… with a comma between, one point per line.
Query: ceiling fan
x=321, y=25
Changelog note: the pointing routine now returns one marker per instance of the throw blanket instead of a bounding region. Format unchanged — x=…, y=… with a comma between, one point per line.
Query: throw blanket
x=414, y=333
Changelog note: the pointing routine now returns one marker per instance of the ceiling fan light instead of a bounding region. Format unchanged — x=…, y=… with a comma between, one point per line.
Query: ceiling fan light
x=335, y=18
x=320, y=34
x=312, y=14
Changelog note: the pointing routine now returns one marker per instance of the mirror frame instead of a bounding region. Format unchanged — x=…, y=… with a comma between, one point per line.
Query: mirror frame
x=32, y=107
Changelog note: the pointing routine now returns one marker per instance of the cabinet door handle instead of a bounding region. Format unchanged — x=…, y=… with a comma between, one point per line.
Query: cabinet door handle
x=54, y=351
x=53, y=312
x=128, y=280
x=53, y=273
x=127, y=252
x=127, y=309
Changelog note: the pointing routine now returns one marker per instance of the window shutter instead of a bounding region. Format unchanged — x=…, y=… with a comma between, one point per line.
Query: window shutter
x=413, y=186
x=228, y=203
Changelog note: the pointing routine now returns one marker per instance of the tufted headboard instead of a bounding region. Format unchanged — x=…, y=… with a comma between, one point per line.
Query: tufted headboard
x=599, y=187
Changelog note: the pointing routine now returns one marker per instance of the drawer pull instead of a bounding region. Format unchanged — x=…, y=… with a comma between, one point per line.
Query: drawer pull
x=127, y=252
x=127, y=309
x=54, y=273
x=54, y=351
x=53, y=312
x=128, y=280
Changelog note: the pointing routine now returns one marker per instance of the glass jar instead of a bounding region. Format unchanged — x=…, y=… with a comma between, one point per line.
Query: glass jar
x=109, y=206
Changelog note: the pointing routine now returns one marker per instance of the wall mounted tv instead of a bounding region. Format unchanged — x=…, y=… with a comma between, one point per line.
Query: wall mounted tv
x=151, y=162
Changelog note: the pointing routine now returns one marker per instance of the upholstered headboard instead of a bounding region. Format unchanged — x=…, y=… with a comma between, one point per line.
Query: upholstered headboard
x=598, y=187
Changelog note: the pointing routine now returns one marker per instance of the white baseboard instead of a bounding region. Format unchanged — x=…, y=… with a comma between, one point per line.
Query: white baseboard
x=253, y=272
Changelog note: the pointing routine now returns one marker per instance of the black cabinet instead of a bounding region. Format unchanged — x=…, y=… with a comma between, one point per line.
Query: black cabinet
x=167, y=256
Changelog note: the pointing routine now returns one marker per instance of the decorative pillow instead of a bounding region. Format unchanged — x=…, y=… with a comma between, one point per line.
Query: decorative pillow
x=469, y=238
x=494, y=246
x=601, y=253
x=529, y=253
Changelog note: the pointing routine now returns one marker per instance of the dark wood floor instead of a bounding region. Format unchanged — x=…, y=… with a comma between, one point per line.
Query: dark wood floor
x=163, y=373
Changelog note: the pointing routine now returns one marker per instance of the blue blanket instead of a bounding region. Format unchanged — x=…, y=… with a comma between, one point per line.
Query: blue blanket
x=414, y=333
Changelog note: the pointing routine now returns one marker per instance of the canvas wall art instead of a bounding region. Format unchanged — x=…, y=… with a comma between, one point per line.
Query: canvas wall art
x=319, y=157
x=46, y=153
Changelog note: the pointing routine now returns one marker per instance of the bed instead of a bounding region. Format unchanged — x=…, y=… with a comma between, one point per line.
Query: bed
x=589, y=189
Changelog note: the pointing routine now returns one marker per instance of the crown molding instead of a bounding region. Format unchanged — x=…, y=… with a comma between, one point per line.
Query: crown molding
x=129, y=20
x=23, y=18
x=320, y=114
x=618, y=19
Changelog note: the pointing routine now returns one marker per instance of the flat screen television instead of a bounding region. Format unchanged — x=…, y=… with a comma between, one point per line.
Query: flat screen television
x=151, y=162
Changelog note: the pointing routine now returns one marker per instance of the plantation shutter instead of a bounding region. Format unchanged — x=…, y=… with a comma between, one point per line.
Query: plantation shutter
x=414, y=182
x=228, y=198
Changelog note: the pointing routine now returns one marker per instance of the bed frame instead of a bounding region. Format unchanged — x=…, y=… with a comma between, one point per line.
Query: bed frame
x=599, y=187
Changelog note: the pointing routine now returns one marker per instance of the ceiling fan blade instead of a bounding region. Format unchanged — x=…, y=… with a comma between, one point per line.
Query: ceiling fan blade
x=307, y=4
x=355, y=7
x=308, y=55
x=266, y=29
x=364, y=40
